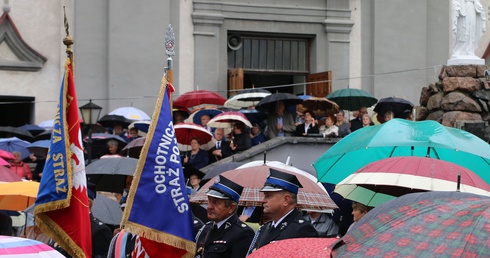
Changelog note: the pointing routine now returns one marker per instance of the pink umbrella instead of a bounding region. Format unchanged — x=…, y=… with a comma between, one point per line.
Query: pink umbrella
x=4, y=162
x=7, y=175
x=23, y=247
x=227, y=119
x=296, y=248
x=6, y=155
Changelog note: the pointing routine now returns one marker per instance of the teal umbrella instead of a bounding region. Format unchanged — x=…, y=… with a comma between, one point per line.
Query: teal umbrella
x=400, y=137
x=352, y=99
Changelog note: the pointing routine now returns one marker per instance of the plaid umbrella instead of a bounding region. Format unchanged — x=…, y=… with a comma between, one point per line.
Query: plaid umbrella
x=431, y=224
x=310, y=197
x=22, y=247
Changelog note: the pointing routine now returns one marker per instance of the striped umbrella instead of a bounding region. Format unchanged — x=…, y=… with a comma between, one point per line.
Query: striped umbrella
x=25, y=248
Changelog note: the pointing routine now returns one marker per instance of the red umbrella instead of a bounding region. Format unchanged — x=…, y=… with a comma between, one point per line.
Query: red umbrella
x=7, y=175
x=6, y=155
x=227, y=119
x=196, y=98
x=184, y=132
x=296, y=248
x=310, y=196
x=392, y=177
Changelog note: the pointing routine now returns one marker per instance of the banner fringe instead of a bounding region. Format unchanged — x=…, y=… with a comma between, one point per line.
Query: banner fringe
x=52, y=230
x=160, y=237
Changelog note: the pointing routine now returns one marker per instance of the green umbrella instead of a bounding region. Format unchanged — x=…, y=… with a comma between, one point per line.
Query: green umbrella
x=400, y=137
x=352, y=99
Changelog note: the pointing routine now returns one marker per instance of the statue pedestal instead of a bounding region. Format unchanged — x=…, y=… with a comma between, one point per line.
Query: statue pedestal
x=465, y=60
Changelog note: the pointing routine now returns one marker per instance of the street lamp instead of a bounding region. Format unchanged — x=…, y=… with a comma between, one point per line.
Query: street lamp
x=90, y=115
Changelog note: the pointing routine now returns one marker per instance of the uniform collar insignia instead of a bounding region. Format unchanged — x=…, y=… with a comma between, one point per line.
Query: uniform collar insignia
x=283, y=225
x=227, y=225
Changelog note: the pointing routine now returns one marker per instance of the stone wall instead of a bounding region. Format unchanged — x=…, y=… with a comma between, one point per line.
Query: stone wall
x=460, y=96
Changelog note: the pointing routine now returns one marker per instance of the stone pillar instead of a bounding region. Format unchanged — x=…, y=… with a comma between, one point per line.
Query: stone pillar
x=207, y=50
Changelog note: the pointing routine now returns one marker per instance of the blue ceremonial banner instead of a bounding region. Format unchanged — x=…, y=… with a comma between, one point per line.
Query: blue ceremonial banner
x=158, y=207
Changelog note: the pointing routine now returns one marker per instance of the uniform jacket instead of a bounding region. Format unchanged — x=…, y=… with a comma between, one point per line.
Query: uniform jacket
x=232, y=239
x=292, y=226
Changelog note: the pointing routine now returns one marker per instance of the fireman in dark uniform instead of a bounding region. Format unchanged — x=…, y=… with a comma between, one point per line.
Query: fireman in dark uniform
x=101, y=233
x=224, y=235
x=280, y=198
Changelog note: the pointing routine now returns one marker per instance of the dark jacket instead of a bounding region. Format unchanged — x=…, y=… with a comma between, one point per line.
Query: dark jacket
x=232, y=239
x=225, y=151
x=292, y=226
x=300, y=129
x=198, y=161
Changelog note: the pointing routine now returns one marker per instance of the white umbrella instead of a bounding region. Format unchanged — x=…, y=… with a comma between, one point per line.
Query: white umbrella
x=130, y=113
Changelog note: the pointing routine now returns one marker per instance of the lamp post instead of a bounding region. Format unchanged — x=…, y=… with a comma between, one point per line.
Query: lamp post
x=90, y=115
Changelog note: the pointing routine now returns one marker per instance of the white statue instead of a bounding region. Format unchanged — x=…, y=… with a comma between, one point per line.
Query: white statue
x=468, y=25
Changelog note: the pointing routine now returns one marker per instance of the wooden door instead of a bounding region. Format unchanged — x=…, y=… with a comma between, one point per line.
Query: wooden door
x=319, y=84
x=235, y=81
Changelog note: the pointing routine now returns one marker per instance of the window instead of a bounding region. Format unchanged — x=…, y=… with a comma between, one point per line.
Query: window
x=270, y=54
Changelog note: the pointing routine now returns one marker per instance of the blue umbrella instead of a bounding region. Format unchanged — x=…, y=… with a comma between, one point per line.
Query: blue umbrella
x=34, y=129
x=40, y=147
x=196, y=118
x=15, y=144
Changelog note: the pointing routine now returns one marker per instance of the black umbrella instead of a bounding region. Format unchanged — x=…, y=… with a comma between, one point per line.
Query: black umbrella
x=107, y=210
x=10, y=131
x=395, y=105
x=46, y=135
x=109, y=174
x=268, y=103
x=112, y=120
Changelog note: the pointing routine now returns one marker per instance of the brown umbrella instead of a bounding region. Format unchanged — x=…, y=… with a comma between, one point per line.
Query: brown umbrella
x=310, y=197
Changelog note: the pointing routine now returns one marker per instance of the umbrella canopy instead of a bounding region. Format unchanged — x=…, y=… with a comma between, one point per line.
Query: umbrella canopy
x=216, y=170
x=142, y=126
x=228, y=119
x=198, y=98
x=196, y=116
x=46, y=135
x=310, y=197
x=268, y=103
x=6, y=155
x=389, y=178
x=15, y=144
x=395, y=105
x=10, y=131
x=319, y=106
x=110, y=174
x=254, y=116
x=17, y=196
x=107, y=210
x=246, y=98
x=4, y=162
x=432, y=224
x=296, y=247
x=112, y=120
x=112, y=166
x=7, y=175
x=400, y=137
x=26, y=248
x=352, y=99
x=39, y=148
x=133, y=149
x=33, y=129
x=130, y=113
x=47, y=124
x=184, y=132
